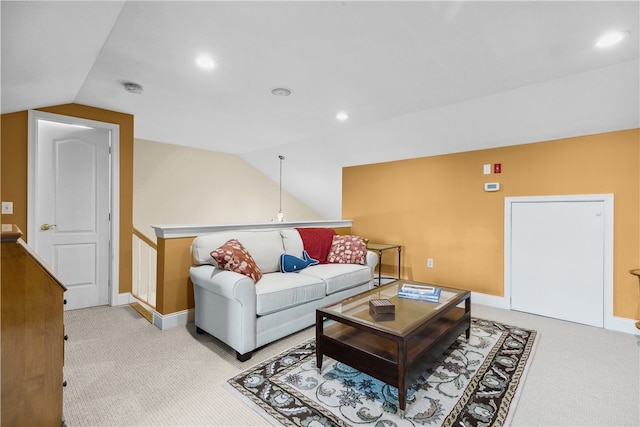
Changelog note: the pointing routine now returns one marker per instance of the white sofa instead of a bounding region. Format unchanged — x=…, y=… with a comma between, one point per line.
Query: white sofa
x=247, y=315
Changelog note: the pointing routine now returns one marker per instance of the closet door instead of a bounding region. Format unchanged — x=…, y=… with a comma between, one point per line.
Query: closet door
x=557, y=259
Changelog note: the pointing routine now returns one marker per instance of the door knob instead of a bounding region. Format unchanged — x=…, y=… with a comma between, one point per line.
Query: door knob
x=45, y=227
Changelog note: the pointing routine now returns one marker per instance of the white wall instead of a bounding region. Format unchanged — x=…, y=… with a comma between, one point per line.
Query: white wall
x=179, y=185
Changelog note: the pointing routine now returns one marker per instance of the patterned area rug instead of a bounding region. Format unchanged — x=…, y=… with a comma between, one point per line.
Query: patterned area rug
x=474, y=383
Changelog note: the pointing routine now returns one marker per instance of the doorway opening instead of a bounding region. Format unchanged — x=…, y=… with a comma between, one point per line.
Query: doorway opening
x=73, y=204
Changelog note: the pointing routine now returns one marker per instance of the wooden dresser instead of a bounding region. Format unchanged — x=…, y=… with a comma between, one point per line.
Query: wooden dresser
x=32, y=326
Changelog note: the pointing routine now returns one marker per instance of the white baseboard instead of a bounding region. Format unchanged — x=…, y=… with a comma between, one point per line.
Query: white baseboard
x=622, y=324
x=489, y=300
x=181, y=318
x=164, y=322
x=168, y=321
x=618, y=324
x=123, y=299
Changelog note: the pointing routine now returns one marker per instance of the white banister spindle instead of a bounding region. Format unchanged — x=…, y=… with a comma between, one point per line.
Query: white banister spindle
x=144, y=271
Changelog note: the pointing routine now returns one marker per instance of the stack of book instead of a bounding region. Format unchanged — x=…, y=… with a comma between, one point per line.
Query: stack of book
x=420, y=292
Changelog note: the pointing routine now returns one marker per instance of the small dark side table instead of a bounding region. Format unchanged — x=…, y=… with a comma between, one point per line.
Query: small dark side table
x=379, y=248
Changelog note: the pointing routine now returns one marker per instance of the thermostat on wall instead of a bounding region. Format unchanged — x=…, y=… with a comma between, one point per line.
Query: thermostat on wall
x=491, y=186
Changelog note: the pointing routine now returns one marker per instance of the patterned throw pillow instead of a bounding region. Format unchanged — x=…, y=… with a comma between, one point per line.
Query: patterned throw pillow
x=235, y=257
x=347, y=250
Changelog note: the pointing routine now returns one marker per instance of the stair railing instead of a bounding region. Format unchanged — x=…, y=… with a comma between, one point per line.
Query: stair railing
x=144, y=268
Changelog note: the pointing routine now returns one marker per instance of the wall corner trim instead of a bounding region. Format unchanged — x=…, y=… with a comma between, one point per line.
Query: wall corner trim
x=171, y=320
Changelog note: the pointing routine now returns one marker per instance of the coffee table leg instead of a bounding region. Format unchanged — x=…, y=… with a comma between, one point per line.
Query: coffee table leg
x=467, y=309
x=402, y=375
x=319, y=333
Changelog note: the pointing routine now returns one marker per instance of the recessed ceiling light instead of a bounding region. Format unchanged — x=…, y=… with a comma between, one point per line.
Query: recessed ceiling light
x=611, y=38
x=342, y=116
x=205, y=62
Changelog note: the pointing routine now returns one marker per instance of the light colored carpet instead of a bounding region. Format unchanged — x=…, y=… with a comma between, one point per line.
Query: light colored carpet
x=123, y=371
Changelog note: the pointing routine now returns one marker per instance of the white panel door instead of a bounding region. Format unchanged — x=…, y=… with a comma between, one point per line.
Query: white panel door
x=557, y=260
x=72, y=209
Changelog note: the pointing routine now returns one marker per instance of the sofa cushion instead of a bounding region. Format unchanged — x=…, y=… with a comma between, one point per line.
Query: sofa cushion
x=339, y=276
x=235, y=257
x=292, y=241
x=347, y=250
x=278, y=291
x=317, y=242
x=265, y=246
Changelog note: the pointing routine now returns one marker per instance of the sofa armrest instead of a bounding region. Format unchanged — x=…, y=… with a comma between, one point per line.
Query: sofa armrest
x=371, y=259
x=225, y=306
x=225, y=283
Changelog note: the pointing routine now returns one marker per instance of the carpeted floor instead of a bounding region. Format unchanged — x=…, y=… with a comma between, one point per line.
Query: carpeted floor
x=123, y=371
x=476, y=382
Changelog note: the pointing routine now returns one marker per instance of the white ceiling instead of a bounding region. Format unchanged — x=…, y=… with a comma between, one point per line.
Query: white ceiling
x=390, y=64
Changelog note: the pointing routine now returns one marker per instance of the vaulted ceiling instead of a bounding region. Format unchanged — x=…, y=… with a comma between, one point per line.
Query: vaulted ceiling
x=417, y=78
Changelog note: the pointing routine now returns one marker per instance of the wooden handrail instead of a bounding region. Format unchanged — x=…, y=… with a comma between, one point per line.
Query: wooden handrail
x=11, y=233
x=144, y=238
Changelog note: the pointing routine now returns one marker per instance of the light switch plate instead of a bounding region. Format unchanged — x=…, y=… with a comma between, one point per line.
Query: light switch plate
x=487, y=169
x=7, y=208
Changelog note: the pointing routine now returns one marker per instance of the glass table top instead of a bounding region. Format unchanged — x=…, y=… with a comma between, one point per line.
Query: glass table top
x=408, y=312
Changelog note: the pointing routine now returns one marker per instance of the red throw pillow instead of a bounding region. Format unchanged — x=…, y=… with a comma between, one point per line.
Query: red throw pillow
x=347, y=250
x=317, y=242
x=235, y=257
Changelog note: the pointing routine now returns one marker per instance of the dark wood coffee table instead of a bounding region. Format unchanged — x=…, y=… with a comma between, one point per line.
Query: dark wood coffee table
x=398, y=350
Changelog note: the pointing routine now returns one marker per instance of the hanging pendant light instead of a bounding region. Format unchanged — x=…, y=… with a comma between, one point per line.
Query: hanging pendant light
x=280, y=216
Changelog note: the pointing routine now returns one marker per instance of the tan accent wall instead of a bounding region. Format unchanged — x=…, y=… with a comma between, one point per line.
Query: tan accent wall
x=174, y=289
x=435, y=207
x=14, y=171
x=13, y=168
x=343, y=231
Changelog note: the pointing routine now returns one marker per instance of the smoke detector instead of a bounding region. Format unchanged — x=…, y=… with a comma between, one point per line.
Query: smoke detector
x=281, y=91
x=133, y=88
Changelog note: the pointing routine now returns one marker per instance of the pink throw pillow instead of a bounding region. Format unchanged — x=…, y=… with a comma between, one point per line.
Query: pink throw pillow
x=235, y=257
x=347, y=250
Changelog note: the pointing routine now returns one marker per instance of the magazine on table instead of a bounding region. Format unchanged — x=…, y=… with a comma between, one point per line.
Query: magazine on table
x=418, y=297
x=422, y=292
